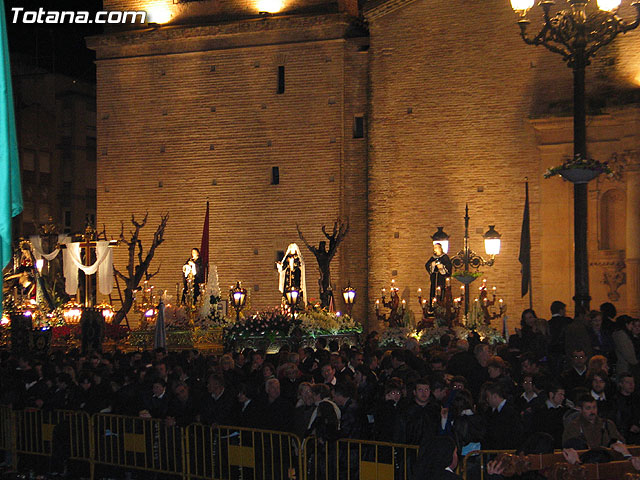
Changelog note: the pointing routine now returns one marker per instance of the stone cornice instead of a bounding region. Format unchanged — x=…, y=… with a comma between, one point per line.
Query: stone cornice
x=160, y=39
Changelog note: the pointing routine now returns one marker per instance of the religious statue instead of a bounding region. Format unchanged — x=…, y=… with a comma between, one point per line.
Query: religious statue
x=324, y=257
x=23, y=277
x=439, y=268
x=291, y=272
x=193, y=271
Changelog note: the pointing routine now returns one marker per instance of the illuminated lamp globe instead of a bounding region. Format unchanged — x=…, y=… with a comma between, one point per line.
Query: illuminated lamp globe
x=521, y=5
x=292, y=297
x=269, y=6
x=442, y=238
x=238, y=296
x=349, y=295
x=159, y=13
x=608, y=5
x=492, y=241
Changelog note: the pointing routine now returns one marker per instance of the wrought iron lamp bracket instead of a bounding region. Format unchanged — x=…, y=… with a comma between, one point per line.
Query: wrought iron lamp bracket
x=574, y=34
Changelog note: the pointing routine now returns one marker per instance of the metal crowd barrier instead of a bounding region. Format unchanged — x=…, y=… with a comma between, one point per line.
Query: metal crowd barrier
x=349, y=459
x=138, y=443
x=227, y=452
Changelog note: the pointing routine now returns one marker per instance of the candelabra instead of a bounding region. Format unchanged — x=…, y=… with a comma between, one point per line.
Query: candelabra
x=392, y=310
x=577, y=35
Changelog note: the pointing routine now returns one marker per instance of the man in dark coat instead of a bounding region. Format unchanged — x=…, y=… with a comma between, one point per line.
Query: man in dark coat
x=218, y=407
x=504, y=427
x=278, y=412
x=418, y=421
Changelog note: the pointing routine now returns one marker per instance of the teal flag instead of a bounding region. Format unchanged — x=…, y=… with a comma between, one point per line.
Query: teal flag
x=10, y=191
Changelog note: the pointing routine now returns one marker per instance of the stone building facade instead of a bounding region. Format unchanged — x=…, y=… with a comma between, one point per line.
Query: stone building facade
x=456, y=110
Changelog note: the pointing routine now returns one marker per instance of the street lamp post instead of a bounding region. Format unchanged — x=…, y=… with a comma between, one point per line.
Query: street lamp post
x=577, y=36
x=238, y=298
x=467, y=258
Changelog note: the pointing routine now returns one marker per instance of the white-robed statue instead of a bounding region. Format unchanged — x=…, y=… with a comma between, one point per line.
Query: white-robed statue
x=292, y=272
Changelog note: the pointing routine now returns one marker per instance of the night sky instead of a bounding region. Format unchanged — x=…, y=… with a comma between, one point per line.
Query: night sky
x=57, y=48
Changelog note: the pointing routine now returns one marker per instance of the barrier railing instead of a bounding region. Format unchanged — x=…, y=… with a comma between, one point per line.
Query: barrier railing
x=229, y=453
x=350, y=459
x=226, y=452
x=138, y=443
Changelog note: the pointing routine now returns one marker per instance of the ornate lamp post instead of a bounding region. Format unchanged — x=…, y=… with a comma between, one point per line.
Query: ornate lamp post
x=238, y=299
x=349, y=295
x=292, y=296
x=577, y=35
x=467, y=258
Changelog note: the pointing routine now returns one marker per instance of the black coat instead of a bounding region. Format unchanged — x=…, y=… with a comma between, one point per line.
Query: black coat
x=504, y=429
x=220, y=412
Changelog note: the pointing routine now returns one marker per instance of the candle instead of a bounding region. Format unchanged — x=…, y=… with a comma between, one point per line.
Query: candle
x=377, y=304
x=419, y=292
x=462, y=289
x=424, y=301
x=447, y=281
x=484, y=282
x=433, y=301
x=438, y=290
x=485, y=301
x=384, y=292
x=501, y=303
x=404, y=302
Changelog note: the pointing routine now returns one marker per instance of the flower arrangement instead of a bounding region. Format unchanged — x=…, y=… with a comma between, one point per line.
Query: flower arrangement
x=175, y=318
x=274, y=322
x=396, y=337
x=116, y=332
x=318, y=321
x=577, y=162
x=431, y=336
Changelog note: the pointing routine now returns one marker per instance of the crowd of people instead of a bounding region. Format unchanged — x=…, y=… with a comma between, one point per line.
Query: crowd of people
x=561, y=383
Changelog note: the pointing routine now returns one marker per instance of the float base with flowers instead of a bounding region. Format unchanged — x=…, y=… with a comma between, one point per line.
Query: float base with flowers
x=271, y=329
x=472, y=324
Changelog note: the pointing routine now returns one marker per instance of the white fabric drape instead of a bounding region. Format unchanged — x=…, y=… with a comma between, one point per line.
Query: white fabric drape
x=103, y=265
x=36, y=241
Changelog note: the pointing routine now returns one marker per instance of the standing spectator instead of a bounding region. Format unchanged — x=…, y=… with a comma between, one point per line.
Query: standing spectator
x=182, y=409
x=277, y=411
x=627, y=409
x=601, y=341
x=419, y=420
x=627, y=328
x=325, y=419
x=557, y=328
x=549, y=417
x=504, y=427
x=250, y=413
x=388, y=412
x=609, y=312
x=588, y=430
x=219, y=405
x=351, y=419
x=157, y=402
x=576, y=375
x=577, y=335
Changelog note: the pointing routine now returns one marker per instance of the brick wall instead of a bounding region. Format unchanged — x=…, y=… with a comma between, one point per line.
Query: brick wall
x=451, y=95
x=177, y=130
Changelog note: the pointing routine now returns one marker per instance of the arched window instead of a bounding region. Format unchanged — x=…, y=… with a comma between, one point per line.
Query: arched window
x=613, y=217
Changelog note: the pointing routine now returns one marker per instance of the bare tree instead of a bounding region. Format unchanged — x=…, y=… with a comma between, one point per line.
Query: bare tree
x=324, y=256
x=138, y=261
